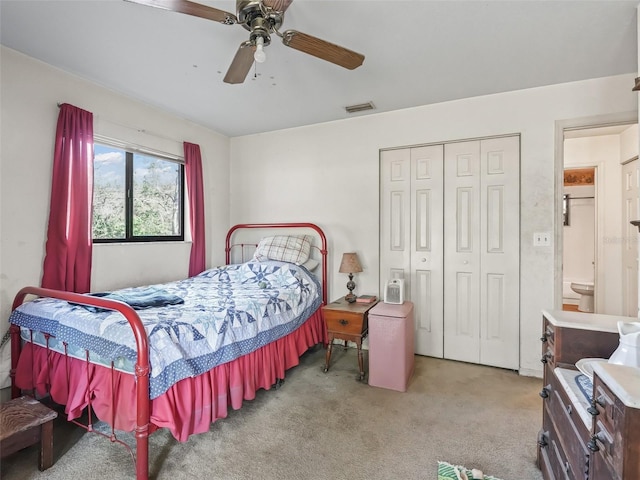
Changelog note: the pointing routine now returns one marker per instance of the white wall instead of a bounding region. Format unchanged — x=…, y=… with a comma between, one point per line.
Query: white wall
x=603, y=152
x=629, y=143
x=328, y=174
x=30, y=92
x=578, y=245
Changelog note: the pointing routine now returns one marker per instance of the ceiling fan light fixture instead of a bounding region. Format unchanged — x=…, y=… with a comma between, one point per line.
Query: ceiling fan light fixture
x=259, y=55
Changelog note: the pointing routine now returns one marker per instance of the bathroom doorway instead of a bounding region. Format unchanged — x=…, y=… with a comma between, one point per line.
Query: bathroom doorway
x=596, y=242
x=579, y=234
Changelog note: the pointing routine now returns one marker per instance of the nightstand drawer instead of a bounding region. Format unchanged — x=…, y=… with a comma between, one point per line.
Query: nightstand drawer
x=345, y=322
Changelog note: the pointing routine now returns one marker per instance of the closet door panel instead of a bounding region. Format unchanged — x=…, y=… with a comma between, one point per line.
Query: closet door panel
x=499, y=252
x=426, y=286
x=450, y=226
x=461, y=251
x=395, y=216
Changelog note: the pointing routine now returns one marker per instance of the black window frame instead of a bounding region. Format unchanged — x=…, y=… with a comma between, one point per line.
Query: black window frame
x=128, y=193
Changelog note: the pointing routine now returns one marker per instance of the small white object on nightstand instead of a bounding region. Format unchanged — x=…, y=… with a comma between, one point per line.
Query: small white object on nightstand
x=394, y=291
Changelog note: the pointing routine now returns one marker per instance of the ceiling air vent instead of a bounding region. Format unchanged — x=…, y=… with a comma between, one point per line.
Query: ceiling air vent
x=360, y=107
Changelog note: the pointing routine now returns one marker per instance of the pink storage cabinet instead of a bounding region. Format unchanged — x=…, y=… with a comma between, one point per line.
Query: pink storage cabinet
x=391, y=347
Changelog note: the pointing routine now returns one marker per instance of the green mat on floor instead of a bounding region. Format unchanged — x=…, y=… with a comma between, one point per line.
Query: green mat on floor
x=446, y=471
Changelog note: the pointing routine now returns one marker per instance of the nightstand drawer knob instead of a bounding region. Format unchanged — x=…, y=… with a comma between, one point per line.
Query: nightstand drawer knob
x=343, y=322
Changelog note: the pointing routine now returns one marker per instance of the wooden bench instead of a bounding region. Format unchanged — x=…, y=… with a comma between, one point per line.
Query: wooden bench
x=23, y=422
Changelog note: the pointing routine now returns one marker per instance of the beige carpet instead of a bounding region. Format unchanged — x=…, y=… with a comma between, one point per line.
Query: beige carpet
x=330, y=426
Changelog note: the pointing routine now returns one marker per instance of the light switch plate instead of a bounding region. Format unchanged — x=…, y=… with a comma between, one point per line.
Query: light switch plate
x=542, y=239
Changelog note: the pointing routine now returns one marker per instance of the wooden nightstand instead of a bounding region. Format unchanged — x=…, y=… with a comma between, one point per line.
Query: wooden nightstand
x=349, y=322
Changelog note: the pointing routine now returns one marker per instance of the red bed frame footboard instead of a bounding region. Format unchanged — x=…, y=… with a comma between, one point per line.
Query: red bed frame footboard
x=141, y=366
x=143, y=426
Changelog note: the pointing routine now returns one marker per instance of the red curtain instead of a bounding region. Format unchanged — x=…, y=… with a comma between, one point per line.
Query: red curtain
x=193, y=170
x=67, y=261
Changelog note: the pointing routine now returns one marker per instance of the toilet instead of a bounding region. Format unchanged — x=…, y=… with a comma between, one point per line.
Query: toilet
x=586, y=295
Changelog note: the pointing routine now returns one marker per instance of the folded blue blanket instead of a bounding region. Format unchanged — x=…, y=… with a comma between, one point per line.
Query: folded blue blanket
x=138, y=299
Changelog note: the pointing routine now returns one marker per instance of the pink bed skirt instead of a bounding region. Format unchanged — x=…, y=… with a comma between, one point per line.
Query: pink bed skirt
x=190, y=406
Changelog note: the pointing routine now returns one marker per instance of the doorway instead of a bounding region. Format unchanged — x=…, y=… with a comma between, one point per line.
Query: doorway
x=597, y=246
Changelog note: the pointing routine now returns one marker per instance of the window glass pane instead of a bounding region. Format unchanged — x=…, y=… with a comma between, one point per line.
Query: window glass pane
x=108, y=192
x=156, y=197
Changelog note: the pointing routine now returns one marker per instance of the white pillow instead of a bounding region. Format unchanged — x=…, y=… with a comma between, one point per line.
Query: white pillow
x=284, y=248
x=311, y=264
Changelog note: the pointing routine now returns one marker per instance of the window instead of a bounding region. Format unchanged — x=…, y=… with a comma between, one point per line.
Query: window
x=137, y=197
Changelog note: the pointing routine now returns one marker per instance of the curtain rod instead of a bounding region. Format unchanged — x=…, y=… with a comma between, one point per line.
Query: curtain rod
x=139, y=130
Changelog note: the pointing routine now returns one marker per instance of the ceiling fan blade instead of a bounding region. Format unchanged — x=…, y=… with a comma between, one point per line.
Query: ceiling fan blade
x=241, y=64
x=191, y=8
x=322, y=49
x=277, y=5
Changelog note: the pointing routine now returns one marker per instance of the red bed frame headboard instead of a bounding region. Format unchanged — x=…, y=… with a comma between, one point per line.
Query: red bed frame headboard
x=319, y=231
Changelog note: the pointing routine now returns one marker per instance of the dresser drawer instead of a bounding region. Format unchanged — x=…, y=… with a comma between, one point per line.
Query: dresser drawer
x=610, y=428
x=345, y=322
x=568, y=345
x=571, y=435
x=609, y=414
x=548, y=358
x=601, y=468
x=548, y=348
x=544, y=464
x=548, y=335
x=559, y=464
x=547, y=443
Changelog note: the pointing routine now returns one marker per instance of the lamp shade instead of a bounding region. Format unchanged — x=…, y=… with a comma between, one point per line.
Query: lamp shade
x=350, y=263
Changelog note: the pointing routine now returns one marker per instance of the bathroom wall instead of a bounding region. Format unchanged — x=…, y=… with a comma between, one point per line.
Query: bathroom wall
x=579, y=240
x=604, y=153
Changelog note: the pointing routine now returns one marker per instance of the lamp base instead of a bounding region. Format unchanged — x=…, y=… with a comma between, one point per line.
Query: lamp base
x=350, y=297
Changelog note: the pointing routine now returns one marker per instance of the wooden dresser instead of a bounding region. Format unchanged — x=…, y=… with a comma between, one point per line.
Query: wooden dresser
x=582, y=439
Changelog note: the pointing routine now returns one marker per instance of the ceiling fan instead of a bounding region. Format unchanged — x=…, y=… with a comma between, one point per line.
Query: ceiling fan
x=261, y=18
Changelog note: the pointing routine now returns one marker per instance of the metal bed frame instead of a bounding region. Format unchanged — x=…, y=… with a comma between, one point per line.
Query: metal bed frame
x=144, y=427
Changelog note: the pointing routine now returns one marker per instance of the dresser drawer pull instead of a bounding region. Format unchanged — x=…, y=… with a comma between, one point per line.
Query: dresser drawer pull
x=569, y=409
x=593, y=443
x=593, y=409
x=547, y=335
x=542, y=439
x=343, y=322
x=544, y=393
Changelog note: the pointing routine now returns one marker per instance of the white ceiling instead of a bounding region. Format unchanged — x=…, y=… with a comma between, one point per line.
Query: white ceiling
x=416, y=52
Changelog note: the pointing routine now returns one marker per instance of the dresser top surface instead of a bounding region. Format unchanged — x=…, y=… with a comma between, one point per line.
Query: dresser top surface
x=624, y=381
x=586, y=321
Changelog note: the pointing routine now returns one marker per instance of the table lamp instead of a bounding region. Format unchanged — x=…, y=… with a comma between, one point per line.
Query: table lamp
x=350, y=264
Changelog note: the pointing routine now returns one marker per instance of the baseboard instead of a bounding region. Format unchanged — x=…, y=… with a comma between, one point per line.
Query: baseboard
x=530, y=372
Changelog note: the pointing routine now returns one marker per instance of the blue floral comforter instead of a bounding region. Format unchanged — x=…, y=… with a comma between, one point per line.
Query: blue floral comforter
x=227, y=312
